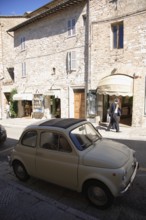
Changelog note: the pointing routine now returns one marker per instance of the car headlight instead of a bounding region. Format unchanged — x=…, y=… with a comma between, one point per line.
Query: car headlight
x=124, y=175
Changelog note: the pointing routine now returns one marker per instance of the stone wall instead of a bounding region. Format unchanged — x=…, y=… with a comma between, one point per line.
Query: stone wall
x=131, y=59
x=46, y=47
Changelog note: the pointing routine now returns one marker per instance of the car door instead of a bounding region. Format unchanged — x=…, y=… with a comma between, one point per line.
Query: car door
x=26, y=151
x=56, y=162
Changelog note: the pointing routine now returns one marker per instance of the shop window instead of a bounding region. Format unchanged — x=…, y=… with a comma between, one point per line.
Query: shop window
x=91, y=103
x=118, y=35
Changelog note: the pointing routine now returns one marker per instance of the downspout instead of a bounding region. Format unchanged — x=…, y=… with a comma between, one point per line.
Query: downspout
x=2, y=60
x=87, y=58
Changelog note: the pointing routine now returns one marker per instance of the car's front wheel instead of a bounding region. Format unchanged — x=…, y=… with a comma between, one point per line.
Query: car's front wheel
x=20, y=171
x=98, y=194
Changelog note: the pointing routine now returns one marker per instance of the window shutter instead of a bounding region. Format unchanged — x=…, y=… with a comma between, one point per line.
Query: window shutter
x=68, y=61
x=73, y=60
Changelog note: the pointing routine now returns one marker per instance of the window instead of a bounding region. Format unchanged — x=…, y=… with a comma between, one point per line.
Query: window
x=64, y=145
x=24, y=69
x=22, y=43
x=71, y=61
x=53, y=141
x=49, y=140
x=71, y=27
x=118, y=35
x=29, y=139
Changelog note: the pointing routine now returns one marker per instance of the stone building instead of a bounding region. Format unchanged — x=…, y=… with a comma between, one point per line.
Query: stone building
x=49, y=61
x=7, y=58
x=73, y=57
x=118, y=57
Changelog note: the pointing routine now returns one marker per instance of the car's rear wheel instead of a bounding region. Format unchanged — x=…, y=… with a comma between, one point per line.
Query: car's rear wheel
x=20, y=171
x=98, y=194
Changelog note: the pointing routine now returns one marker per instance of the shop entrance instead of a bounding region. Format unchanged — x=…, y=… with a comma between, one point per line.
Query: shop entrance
x=125, y=105
x=79, y=103
x=55, y=106
x=27, y=108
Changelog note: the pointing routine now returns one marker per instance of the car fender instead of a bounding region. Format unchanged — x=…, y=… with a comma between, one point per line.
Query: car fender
x=102, y=175
x=18, y=158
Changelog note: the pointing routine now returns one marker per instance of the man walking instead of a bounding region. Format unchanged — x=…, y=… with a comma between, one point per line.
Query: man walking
x=115, y=113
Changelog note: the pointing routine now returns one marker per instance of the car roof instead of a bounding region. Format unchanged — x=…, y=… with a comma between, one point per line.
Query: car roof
x=62, y=122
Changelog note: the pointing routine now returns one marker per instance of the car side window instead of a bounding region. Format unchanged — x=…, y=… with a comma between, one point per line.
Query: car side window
x=49, y=140
x=64, y=146
x=29, y=139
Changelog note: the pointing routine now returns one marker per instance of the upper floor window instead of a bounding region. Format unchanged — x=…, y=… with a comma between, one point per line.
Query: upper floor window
x=22, y=43
x=71, y=27
x=71, y=61
x=118, y=35
x=24, y=69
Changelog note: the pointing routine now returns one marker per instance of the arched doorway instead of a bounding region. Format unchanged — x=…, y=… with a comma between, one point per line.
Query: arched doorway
x=117, y=86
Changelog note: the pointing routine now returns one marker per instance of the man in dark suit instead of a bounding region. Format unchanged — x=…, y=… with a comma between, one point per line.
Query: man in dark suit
x=115, y=114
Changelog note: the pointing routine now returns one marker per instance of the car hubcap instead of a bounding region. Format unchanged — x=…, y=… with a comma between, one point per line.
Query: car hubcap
x=97, y=196
x=20, y=171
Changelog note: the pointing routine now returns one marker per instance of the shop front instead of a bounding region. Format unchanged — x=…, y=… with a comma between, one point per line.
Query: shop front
x=115, y=86
x=24, y=104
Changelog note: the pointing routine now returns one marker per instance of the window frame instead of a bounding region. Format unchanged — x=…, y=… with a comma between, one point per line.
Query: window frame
x=71, y=27
x=22, y=43
x=58, y=147
x=71, y=61
x=26, y=145
x=23, y=69
x=117, y=35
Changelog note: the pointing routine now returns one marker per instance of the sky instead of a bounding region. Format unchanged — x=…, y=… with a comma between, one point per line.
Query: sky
x=19, y=7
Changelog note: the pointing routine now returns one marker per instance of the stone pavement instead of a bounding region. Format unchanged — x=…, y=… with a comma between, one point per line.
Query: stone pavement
x=18, y=202
x=126, y=132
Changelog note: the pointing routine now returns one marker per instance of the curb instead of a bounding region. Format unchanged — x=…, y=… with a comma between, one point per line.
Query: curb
x=76, y=213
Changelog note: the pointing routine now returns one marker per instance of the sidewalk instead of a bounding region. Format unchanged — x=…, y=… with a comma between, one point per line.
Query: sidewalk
x=22, y=203
x=126, y=132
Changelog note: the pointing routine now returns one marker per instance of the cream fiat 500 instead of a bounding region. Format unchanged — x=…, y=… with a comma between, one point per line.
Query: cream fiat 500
x=72, y=154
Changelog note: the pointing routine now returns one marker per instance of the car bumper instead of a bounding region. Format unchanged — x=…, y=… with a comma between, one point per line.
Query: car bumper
x=3, y=137
x=131, y=179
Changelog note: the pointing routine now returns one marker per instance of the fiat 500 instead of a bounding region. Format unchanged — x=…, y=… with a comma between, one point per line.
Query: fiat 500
x=73, y=154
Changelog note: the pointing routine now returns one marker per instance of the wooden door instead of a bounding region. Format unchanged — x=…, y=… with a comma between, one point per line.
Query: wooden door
x=79, y=104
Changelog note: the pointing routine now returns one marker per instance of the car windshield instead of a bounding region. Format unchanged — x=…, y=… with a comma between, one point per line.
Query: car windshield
x=84, y=136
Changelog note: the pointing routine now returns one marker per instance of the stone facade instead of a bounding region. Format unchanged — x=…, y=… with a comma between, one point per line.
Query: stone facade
x=7, y=56
x=47, y=45
x=129, y=60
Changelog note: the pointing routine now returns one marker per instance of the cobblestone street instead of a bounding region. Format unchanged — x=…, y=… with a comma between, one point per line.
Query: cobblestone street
x=20, y=202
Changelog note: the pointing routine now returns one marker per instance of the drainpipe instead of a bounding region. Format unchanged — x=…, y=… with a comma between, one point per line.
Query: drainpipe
x=87, y=58
x=1, y=97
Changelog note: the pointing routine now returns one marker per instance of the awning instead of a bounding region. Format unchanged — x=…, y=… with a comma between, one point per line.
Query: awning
x=23, y=96
x=116, y=85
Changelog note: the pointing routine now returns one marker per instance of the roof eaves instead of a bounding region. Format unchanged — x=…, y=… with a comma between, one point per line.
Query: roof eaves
x=59, y=7
x=12, y=16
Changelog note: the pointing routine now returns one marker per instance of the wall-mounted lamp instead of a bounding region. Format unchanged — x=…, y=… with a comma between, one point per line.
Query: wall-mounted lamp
x=53, y=71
